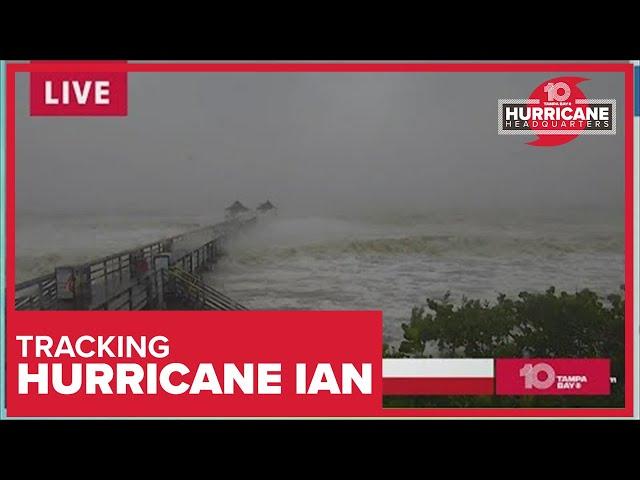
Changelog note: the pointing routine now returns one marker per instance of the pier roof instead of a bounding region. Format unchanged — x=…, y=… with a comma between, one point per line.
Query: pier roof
x=237, y=207
x=266, y=206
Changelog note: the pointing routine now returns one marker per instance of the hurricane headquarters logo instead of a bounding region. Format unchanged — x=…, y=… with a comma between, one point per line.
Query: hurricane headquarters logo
x=557, y=112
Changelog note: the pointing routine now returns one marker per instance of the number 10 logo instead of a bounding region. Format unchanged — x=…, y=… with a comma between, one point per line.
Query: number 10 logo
x=532, y=376
x=553, y=91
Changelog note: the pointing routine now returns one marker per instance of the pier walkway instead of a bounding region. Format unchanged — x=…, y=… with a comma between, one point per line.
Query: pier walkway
x=159, y=275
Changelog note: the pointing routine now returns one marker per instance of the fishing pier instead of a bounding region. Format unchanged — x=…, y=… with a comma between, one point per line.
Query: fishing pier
x=164, y=275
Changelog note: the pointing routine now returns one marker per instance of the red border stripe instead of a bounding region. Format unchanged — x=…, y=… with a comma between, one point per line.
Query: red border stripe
x=623, y=67
x=320, y=67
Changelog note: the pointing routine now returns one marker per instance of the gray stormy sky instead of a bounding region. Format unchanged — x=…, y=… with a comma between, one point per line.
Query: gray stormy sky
x=312, y=143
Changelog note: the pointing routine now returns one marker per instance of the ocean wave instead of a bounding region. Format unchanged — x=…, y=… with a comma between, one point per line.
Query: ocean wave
x=43, y=244
x=438, y=246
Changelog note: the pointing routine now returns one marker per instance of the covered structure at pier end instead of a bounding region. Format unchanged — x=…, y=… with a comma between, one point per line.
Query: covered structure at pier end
x=267, y=208
x=235, y=210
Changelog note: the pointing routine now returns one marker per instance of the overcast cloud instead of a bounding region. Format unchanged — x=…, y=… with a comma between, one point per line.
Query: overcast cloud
x=312, y=143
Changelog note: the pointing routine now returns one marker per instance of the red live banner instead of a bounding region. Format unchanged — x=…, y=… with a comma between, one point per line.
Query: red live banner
x=185, y=364
x=102, y=94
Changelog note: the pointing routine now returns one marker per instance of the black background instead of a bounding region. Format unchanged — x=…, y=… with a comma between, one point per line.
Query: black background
x=317, y=32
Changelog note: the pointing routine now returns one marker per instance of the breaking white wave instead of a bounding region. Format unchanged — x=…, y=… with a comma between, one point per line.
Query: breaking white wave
x=438, y=246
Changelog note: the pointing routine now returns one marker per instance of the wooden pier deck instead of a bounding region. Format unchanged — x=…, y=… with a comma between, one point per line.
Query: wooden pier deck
x=160, y=275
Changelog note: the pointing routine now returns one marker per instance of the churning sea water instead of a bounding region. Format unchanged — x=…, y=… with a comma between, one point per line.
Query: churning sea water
x=386, y=262
x=394, y=264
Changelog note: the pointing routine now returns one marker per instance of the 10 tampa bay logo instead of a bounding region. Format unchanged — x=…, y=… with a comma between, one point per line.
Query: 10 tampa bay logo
x=557, y=112
x=553, y=376
x=542, y=376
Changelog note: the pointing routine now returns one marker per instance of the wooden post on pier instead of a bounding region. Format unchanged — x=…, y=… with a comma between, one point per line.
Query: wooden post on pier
x=137, y=264
x=160, y=263
x=221, y=244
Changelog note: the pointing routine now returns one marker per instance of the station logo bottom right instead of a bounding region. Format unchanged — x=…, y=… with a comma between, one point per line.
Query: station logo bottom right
x=553, y=376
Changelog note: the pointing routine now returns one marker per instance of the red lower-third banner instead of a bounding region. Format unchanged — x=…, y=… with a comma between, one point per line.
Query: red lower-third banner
x=205, y=364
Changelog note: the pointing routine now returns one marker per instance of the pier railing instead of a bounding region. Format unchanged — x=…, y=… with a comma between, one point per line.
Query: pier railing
x=36, y=294
x=126, y=280
x=190, y=290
